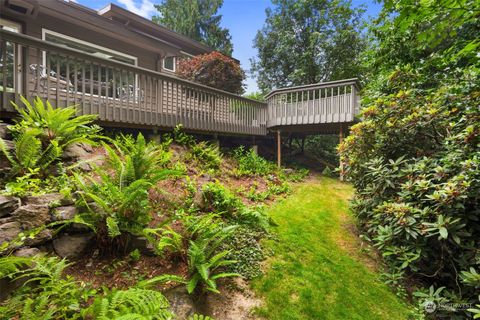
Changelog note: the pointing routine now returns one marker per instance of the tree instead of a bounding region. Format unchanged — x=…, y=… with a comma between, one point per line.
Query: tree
x=196, y=19
x=214, y=70
x=308, y=41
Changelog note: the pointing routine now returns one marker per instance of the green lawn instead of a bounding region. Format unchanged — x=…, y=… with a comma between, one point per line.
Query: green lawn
x=316, y=271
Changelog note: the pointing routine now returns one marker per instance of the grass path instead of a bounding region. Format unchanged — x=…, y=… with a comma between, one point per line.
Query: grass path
x=316, y=271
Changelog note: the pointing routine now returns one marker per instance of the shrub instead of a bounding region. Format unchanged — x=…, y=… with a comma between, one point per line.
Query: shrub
x=327, y=172
x=415, y=165
x=214, y=70
x=250, y=163
x=144, y=158
x=296, y=175
x=216, y=197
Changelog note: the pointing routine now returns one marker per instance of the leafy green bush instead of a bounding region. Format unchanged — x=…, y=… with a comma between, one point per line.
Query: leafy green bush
x=144, y=159
x=415, y=159
x=47, y=294
x=327, y=172
x=216, y=197
x=250, y=163
x=165, y=239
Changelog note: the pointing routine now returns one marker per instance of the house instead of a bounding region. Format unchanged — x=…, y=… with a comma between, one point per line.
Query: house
x=121, y=66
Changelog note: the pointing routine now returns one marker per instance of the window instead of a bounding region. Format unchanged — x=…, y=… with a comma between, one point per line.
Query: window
x=87, y=47
x=169, y=63
x=91, y=79
x=12, y=58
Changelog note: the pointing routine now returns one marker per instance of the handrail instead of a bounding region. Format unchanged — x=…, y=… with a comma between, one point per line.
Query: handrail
x=320, y=85
x=31, y=41
x=134, y=96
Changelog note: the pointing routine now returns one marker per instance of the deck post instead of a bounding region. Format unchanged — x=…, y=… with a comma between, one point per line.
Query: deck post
x=341, y=163
x=279, y=149
x=254, y=145
x=155, y=136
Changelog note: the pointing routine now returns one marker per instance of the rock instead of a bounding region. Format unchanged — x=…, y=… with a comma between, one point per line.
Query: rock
x=48, y=199
x=142, y=244
x=67, y=213
x=72, y=246
x=8, y=204
x=6, y=220
x=26, y=252
x=3, y=130
x=77, y=151
x=181, y=303
x=64, y=213
x=9, y=231
x=40, y=238
x=32, y=216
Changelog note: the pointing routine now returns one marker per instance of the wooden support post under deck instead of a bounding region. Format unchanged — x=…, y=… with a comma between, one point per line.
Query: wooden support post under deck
x=279, y=149
x=341, y=163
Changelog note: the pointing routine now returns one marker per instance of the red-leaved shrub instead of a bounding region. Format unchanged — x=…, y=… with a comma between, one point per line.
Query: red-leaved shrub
x=214, y=70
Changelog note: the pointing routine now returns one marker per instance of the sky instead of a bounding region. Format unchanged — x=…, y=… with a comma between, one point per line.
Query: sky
x=242, y=17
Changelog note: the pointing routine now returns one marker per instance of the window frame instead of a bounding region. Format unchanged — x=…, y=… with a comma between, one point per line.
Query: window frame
x=86, y=43
x=17, y=58
x=174, y=64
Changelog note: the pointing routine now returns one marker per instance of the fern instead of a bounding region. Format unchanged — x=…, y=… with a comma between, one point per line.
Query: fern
x=134, y=303
x=132, y=167
x=205, y=259
x=46, y=293
x=41, y=135
x=56, y=124
x=165, y=239
x=10, y=265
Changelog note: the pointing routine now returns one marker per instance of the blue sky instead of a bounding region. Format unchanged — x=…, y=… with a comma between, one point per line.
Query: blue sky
x=242, y=17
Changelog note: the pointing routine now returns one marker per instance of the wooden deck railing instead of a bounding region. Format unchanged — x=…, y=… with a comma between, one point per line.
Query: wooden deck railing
x=124, y=94
x=327, y=102
x=119, y=92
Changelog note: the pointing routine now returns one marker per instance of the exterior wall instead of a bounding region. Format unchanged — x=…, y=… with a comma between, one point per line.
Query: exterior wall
x=84, y=24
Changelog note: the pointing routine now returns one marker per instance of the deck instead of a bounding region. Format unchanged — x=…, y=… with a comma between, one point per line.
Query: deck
x=125, y=95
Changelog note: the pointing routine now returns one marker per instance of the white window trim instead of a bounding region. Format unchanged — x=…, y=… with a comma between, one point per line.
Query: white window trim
x=187, y=54
x=60, y=35
x=174, y=64
x=17, y=56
